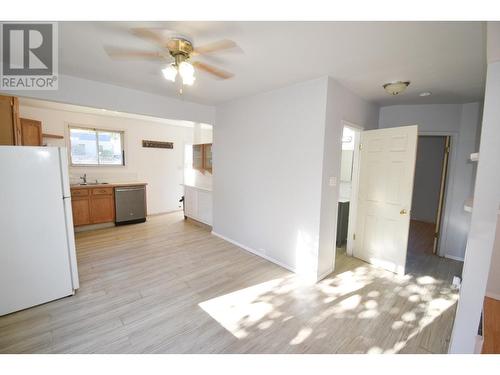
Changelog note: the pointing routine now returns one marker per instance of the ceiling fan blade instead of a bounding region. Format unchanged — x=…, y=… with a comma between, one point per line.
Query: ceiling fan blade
x=157, y=36
x=219, y=73
x=127, y=54
x=214, y=47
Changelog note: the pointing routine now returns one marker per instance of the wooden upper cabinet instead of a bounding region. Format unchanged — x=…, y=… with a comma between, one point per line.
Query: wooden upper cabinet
x=31, y=132
x=207, y=157
x=10, y=125
x=202, y=157
x=198, y=157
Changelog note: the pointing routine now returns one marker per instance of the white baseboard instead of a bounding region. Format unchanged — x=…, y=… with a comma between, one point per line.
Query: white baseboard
x=164, y=212
x=493, y=295
x=454, y=257
x=255, y=252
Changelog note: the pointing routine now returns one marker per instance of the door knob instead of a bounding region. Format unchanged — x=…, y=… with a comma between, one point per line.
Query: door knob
x=403, y=212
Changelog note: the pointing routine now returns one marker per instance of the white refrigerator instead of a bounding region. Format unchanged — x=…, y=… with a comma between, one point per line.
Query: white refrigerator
x=37, y=244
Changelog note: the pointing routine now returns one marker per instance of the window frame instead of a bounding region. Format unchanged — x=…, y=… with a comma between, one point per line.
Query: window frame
x=97, y=130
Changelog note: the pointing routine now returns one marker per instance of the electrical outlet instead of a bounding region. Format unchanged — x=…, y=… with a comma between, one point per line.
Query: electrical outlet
x=333, y=181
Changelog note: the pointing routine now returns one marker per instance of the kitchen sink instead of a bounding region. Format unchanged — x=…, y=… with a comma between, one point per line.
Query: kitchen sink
x=94, y=183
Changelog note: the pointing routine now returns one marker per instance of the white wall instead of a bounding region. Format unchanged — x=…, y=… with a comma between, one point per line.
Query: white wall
x=462, y=123
x=342, y=105
x=162, y=169
x=268, y=154
x=95, y=94
x=428, y=168
x=481, y=248
x=484, y=218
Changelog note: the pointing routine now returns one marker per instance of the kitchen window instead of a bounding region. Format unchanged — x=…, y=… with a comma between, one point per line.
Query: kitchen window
x=97, y=147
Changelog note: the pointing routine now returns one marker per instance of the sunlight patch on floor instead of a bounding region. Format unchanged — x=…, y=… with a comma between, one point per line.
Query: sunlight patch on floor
x=246, y=307
x=357, y=295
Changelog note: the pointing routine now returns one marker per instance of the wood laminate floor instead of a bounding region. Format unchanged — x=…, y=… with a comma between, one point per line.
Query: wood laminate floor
x=169, y=286
x=491, y=330
x=421, y=237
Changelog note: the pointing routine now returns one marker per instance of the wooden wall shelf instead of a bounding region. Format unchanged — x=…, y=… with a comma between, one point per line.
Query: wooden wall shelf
x=55, y=136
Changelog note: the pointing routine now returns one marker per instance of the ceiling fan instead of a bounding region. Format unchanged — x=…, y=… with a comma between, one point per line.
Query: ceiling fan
x=177, y=48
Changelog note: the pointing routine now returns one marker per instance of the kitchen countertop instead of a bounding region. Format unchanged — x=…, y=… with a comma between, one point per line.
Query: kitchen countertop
x=111, y=184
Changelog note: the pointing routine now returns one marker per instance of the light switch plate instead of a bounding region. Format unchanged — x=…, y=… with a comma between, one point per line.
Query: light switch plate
x=333, y=181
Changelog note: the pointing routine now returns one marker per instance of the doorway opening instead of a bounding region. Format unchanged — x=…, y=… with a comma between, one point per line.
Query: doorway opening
x=409, y=237
x=428, y=199
x=348, y=187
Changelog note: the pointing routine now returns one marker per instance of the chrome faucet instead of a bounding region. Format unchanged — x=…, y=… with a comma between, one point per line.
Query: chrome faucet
x=84, y=178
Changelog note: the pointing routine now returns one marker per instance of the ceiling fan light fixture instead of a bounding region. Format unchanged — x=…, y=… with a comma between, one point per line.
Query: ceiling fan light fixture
x=396, y=88
x=170, y=72
x=188, y=80
x=186, y=70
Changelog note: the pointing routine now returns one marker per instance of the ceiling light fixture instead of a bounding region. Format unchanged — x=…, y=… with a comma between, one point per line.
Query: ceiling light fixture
x=185, y=70
x=396, y=88
x=425, y=93
x=170, y=72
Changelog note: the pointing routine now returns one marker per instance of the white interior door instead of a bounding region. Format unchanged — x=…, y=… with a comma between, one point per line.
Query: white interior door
x=387, y=167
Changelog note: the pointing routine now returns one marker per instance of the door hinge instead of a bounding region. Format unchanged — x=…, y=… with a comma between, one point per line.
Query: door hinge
x=354, y=236
x=436, y=235
x=447, y=150
x=360, y=146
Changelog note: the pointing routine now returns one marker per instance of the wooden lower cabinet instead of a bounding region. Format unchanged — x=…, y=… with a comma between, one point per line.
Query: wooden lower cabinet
x=102, y=208
x=92, y=205
x=81, y=210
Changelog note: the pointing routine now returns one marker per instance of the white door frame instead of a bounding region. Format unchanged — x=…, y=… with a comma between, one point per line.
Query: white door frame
x=450, y=177
x=353, y=202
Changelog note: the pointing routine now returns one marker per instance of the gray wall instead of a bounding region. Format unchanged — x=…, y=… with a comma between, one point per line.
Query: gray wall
x=462, y=121
x=427, y=184
x=342, y=105
x=274, y=154
x=268, y=152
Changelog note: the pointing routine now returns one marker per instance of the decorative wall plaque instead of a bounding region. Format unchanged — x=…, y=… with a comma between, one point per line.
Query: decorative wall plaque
x=157, y=144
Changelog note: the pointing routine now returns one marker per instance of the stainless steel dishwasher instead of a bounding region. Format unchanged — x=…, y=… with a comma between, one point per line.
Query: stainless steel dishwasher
x=130, y=204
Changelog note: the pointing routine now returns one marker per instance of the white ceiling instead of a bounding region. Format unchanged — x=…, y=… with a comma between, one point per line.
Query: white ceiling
x=446, y=58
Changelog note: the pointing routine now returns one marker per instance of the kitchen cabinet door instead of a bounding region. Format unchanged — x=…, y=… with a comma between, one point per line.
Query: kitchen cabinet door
x=191, y=202
x=207, y=157
x=81, y=210
x=198, y=157
x=102, y=209
x=204, y=207
x=31, y=132
x=10, y=126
